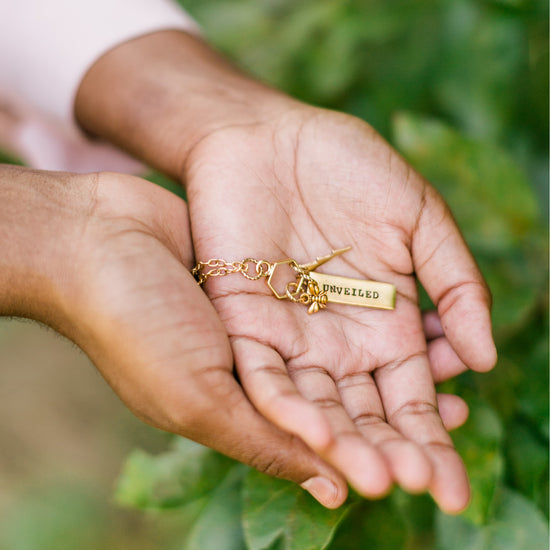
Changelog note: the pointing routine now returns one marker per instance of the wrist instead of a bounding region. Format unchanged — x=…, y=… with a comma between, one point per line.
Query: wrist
x=159, y=95
x=41, y=216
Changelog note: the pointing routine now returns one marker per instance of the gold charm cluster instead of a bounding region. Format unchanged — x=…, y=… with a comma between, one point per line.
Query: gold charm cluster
x=303, y=290
x=308, y=287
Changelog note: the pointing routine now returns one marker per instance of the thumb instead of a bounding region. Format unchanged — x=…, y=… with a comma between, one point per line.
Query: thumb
x=232, y=426
x=162, y=347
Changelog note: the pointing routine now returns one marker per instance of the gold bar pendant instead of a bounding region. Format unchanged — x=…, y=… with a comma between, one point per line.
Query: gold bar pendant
x=355, y=292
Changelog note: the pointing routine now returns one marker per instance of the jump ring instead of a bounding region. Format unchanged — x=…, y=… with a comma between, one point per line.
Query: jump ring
x=245, y=269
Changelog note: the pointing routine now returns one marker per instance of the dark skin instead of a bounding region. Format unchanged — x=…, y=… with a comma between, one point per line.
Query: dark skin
x=104, y=259
x=271, y=178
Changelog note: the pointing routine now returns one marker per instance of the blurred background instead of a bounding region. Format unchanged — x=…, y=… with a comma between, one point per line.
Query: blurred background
x=460, y=88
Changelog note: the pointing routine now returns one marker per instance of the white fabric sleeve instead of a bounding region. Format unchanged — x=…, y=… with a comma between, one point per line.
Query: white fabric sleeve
x=46, y=46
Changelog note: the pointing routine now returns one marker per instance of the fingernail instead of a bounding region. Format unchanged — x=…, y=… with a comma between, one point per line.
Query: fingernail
x=322, y=489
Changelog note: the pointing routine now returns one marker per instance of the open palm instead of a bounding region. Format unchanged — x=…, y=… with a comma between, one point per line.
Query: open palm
x=354, y=383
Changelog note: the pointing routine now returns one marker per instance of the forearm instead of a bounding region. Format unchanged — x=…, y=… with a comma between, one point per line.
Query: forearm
x=159, y=95
x=40, y=216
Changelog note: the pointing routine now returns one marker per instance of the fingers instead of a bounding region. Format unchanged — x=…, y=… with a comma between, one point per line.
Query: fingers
x=158, y=341
x=357, y=458
x=407, y=463
x=444, y=361
x=453, y=281
x=344, y=423
x=202, y=400
x=264, y=376
x=431, y=324
x=214, y=410
x=230, y=424
x=406, y=389
x=351, y=407
x=453, y=410
x=309, y=406
x=329, y=416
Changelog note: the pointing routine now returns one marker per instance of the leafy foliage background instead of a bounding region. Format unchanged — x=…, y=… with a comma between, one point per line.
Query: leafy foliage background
x=460, y=88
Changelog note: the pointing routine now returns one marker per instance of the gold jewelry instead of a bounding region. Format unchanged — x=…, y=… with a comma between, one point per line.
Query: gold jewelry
x=310, y=288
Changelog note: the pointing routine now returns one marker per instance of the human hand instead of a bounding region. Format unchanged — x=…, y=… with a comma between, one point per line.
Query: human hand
x=103, y=259
x=270, y=178
x=99, y=258
x=353, y=383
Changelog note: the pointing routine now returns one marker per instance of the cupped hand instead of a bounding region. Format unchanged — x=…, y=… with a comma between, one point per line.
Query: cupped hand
x=115, y=253
x=353, y=383
x=104, y=260
x=270, y=178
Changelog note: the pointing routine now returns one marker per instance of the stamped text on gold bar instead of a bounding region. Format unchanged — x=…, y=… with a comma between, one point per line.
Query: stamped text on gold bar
x=356, y=292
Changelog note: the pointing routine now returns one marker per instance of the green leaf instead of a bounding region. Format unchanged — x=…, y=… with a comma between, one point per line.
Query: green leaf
x=171, y=479
x=516, y=524
x=218, y=526
x=518, y=387
x=479, y=444
x=279, y=514
x=533, y=389
x=528, y=457
x=8, y=158
x=489, y=194
x=378, y=525
x=417, y=513
x=167, y=183
x=478, y=77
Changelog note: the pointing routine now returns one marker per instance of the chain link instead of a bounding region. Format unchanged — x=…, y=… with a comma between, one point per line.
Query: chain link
x=304, y=290
x=262, y=267
x=219, y=268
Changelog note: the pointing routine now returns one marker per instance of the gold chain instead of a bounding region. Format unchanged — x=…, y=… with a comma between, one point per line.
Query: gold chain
x=219, y=268
x=303, y=290
x=307, y=286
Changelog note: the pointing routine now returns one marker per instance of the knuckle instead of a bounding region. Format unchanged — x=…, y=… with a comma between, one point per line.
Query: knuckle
x=368, y=419
x=327, y=402
x=413, y=408
x=287, y=458
x=441, y=446
x=267, y=464
x=260, y=373
x=454, y=294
